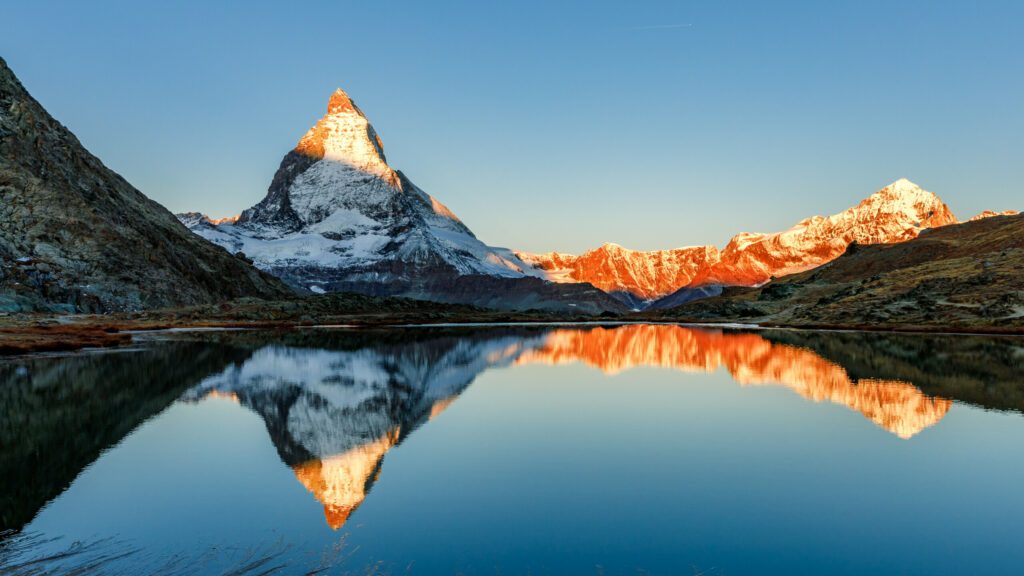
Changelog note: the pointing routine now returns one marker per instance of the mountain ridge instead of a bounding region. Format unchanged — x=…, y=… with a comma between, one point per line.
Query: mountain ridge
x=963, y=277
x=648, y=279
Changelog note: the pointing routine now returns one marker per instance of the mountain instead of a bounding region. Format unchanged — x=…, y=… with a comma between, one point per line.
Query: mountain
x=661, y=279
x=958, y=277
x=990, y=213
x=76, y=237
x=634, y=277
x=337, y=217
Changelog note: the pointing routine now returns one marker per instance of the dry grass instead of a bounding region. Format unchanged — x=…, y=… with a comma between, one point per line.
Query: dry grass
x=40, y=333
x=35, y=336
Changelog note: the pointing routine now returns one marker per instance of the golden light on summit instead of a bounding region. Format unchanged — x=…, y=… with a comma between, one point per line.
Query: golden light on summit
x=341, y=482
x=218, y=395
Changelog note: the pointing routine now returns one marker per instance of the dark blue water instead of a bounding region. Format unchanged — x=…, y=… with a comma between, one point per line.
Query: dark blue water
x=637, y=449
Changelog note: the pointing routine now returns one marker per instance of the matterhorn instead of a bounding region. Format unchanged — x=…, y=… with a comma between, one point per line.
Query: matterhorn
x=338, y=217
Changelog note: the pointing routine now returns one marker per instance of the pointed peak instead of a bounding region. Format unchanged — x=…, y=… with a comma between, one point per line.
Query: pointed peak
x=902, y=190
x=340, y=102
x=344, y=134
x=903, y=184
x=611, y=247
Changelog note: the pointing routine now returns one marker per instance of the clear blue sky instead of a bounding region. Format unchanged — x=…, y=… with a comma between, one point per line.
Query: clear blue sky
x=552, y=125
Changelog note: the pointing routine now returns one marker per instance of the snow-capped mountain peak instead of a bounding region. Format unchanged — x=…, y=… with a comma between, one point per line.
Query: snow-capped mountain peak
x=338, y=217
x=344, y=135
x=341, y=103
x=335, y=204
x=906, y=199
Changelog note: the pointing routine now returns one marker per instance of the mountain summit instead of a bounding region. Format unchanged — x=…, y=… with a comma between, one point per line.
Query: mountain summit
x=896, y=213
x=338, y=217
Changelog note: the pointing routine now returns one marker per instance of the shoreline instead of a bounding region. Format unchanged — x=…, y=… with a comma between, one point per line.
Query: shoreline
x=42, y=334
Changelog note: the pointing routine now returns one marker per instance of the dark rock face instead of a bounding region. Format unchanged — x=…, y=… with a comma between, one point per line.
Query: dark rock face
x=76, y=237
x=684, y=295
x=276, y=209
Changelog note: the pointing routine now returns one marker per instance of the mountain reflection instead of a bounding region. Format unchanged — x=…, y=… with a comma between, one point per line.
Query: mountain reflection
x=899, y=407
x=333, y=414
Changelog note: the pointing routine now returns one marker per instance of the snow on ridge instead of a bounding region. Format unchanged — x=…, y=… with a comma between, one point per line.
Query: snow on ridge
x=335, y=204
x=330, y=389
x=895, y=213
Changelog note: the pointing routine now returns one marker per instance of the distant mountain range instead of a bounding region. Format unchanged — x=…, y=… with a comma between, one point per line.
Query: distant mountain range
x=667, y=278
x=337, y=217
x=962, y=277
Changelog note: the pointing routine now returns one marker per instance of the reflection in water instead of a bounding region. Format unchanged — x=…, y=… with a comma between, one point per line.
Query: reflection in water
x=58, y=414
x=341, y=482
x=899, y=407
x=334, y=402
x=334, y=414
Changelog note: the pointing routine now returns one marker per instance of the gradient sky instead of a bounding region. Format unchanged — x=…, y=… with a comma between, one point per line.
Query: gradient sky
x=552, y=126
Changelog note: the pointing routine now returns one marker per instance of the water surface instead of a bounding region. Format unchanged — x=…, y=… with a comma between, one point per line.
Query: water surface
x=512, y=450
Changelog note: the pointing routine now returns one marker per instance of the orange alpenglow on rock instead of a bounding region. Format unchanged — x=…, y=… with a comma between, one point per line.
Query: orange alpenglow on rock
x=345, y=135
x=896, y=213
x=899, y=407
x=225, y=220
x=990, y=214
x=341, y=482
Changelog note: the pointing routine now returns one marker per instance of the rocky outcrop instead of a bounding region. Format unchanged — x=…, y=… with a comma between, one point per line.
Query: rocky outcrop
x=76, y=237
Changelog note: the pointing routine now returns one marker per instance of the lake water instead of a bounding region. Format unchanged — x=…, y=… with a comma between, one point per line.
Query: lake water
x=638, y=449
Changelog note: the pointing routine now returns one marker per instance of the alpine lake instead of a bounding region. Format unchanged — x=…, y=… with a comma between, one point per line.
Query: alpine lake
x=516, y=449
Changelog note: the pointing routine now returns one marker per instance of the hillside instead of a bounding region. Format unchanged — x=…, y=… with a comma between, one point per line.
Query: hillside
x=963, y=277
x=76, y=237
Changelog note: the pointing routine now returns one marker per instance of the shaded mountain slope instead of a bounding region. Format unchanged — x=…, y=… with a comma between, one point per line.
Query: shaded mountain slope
x=75, y=236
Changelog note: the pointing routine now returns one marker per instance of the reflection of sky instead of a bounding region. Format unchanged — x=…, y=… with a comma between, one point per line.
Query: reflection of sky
x=564, y=468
